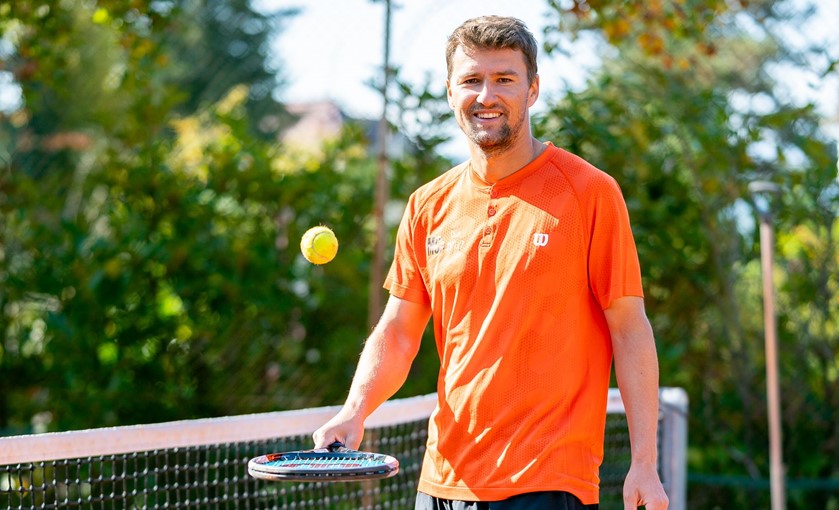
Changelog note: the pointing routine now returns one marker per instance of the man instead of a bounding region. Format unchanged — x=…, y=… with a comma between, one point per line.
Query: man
x=524, y=259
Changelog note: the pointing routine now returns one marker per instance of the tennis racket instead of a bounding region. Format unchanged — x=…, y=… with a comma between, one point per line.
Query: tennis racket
x=333, y=463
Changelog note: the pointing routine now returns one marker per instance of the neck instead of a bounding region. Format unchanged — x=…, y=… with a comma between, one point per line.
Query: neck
x=493, y=167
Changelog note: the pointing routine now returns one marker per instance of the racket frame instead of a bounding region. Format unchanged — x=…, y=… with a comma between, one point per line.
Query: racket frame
x=336, y=466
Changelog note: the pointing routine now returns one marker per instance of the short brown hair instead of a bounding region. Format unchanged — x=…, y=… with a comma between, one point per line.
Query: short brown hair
x=494, y=33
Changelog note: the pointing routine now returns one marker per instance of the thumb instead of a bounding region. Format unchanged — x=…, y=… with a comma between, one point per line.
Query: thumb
x=322, y=442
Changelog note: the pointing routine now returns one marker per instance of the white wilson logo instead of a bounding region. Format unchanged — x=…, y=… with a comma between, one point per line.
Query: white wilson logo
x=540, y=239
x=433, y=245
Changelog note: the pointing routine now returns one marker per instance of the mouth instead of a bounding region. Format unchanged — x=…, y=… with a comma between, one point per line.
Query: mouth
x=486, y=116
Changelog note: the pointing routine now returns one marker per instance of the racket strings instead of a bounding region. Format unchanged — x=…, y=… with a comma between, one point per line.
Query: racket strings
x=329, y=461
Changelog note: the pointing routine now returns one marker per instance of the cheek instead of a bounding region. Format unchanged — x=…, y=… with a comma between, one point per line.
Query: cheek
x=461, y=99
x=460, y=108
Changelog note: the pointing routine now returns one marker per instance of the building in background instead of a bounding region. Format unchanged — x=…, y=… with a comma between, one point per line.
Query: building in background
x=321, y=121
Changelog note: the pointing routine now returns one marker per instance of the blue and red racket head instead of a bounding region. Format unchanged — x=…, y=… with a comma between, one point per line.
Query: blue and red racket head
x=333, y=463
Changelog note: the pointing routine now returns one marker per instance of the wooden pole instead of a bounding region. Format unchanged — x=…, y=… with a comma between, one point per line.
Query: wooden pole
x=763, y=192
x=776, y=467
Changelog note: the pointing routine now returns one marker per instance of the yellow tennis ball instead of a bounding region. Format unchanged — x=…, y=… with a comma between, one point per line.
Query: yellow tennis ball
x=319, y=245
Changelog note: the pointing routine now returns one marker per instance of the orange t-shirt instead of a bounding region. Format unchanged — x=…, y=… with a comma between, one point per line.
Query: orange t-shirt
x=517, y=275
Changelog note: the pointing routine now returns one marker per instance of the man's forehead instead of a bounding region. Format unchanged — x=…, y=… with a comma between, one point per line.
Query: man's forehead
x=507, y=60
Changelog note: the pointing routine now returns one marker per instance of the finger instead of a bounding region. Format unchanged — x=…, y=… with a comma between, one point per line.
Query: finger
x=659, y=504
x=658, y=500
x=654, y=503
x=323, y=438
x=327, y=443
x=352, y=442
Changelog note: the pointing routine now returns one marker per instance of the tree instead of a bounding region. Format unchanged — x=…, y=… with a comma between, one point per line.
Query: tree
x=91, y=312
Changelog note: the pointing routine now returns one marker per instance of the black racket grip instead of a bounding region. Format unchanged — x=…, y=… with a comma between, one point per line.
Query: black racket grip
x=337, y=446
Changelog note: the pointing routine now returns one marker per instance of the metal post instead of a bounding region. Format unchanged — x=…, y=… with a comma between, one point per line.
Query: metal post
x=673, y=432
x=762, y=192
x=374, y=303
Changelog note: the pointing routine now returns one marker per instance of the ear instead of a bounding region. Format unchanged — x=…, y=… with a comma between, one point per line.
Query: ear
x=449, y=95
x=533, y=92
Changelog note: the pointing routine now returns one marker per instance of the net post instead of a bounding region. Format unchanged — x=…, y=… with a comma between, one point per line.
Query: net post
x=673, y=407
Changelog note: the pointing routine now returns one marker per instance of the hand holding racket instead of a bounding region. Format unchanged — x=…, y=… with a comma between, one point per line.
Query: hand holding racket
x=333, y=463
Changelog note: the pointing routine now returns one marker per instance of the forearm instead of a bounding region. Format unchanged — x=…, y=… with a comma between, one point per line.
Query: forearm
x=387, y=356
x=636, y=367
x=382, y=369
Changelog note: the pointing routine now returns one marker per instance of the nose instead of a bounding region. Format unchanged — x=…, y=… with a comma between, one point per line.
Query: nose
x=486, y=94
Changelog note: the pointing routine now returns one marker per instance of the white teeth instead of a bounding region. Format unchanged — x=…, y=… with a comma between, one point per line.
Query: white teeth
x=488, y=115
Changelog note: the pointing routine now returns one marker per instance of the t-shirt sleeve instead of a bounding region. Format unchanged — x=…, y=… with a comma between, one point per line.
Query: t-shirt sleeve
x=613, y=267
x=404, y=279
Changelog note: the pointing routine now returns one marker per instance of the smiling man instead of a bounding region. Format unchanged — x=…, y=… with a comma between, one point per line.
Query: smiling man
x=524, y=259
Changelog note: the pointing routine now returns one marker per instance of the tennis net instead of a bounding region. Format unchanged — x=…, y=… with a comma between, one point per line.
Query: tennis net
x=202, y=464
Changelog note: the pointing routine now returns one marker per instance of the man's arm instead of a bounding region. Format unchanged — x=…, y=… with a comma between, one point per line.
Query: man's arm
x=636, y=366
x=382, y=369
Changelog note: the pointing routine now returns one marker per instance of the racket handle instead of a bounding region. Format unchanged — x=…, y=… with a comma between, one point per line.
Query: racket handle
x=337, y=446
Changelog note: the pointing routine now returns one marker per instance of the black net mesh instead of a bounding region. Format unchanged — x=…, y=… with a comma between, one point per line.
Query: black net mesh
x=215, y=477
x=209, y=477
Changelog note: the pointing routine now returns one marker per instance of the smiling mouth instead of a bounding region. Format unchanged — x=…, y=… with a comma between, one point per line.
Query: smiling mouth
x=487, y=115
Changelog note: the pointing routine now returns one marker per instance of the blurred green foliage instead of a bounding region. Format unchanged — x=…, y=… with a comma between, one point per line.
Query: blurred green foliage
x=150, y=224
x=149, y=267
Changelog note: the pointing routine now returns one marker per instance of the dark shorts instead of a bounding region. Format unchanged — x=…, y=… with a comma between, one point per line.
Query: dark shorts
x=554, y=500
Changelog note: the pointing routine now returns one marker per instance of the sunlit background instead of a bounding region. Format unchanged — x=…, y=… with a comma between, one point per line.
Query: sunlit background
x=160, y=159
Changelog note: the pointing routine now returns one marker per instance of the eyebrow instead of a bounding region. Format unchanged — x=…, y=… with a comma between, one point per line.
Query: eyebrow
x=506, y=72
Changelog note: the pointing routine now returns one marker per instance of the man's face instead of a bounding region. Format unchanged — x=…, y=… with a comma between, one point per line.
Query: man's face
x=490, y=96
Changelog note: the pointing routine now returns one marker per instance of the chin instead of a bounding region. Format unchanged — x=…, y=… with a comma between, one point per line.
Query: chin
x=497, y=147
x=491, y=143
x=485, y=139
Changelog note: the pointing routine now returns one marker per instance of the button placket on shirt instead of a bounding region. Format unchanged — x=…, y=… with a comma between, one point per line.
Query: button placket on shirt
x=491, y=211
